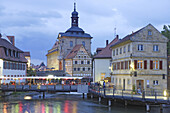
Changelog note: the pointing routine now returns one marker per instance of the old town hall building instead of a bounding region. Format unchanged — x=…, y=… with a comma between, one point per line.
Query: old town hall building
x=72, y=51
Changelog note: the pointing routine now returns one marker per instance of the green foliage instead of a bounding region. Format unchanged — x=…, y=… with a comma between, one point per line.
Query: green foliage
x=166, y=33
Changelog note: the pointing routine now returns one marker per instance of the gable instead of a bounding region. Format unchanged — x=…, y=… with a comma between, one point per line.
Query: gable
x=149, y=34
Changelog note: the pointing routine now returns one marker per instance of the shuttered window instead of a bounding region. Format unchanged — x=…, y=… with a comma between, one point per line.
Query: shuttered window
x=135, y=64
x=160, y=64
x=145, y=64
x=151, y=64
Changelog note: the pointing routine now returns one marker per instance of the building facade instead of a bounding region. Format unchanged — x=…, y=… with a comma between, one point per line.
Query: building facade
x=102, y=62
x=28, y=57
x=12, y=61
x=78, y=62
x=140, y=60
x=67, y=41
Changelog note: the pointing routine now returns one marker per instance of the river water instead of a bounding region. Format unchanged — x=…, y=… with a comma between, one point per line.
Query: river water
x=60, y=103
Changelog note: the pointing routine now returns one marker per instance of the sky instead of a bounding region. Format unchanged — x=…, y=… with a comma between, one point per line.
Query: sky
x=36, y=23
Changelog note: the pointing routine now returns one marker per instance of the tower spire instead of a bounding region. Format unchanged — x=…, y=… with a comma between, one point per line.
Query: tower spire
x=74, y=6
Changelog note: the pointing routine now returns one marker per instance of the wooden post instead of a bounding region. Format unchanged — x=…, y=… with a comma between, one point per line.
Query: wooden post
x=109, y=102
x=91, y=95
x=104, y=92
x=100, y=99
x=33, y=81
x=155, y=98
x=147, y=108
x=83, y=95
x=30, y=80
x=143, y=95
x=19, y=81
x=122, y=94
x=43, y=95
x=125, y=102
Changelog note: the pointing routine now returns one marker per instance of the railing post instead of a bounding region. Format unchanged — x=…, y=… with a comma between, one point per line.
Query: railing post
x=143, y=95
x=113, y=92
x=122, y=93
x=155, y=97
x=104, y=92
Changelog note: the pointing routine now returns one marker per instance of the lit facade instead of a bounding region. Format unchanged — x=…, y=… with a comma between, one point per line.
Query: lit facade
x=140, y=60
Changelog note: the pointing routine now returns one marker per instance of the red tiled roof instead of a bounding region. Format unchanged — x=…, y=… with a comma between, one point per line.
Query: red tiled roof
x=73, y=52
x=26, y=53
x=106, y=52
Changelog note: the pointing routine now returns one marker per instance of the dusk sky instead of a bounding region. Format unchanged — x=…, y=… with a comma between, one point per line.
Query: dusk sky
x=36, y=23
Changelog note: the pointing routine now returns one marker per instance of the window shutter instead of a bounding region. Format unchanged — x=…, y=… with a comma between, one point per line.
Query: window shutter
x=160, y=64
x=151, y=64
x=135, y=64
x=145, y=64
x=121, y=65
x=129, y=64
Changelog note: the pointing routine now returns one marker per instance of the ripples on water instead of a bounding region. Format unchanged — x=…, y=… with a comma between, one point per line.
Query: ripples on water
x=59, y=104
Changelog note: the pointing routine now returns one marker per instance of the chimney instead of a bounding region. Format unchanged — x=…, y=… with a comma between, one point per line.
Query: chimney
x=12, y=39
x=107, y=42
x=117, y=36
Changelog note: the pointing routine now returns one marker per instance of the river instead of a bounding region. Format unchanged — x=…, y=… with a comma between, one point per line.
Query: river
x=60, y=103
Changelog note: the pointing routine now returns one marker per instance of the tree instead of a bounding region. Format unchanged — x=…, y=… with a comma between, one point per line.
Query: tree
x=166, y=33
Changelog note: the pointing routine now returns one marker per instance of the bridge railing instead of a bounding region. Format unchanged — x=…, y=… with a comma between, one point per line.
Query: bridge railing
x=39, y=87
x=153, y=95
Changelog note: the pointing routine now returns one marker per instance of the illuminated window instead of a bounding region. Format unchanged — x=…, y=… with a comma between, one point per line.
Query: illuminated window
x=155, y=64
x=140, y=64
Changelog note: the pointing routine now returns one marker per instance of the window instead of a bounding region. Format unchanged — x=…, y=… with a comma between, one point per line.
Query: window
x=149, y=33
x=120, y=50
x=11, y=53
x=71, y=43
x=140, y=47
x=74, y=69
x=155, y=64
x=128, y=48
x=75, y=62
x=88, y=69
x=82, y=62
x=119, y=81
x=78, y=69
x=116, y=51
x=128, y=81
x=84, y=56
x=83, y=43
x=155, y=48
x=113, y=52
x=88, y=62
x=140, y=64
x=83, y=69
x=155, y=82
x=124, y=49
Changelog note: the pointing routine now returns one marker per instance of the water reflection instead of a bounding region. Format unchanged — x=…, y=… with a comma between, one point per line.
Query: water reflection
x=61, y=105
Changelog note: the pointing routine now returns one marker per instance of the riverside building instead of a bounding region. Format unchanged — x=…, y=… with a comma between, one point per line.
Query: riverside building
x=12, y=61
x=139, y=60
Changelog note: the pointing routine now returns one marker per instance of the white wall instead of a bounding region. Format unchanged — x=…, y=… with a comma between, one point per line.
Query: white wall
x=101, y=66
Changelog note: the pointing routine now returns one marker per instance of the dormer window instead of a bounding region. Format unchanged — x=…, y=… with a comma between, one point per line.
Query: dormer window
x=11, y=53
x=6, y=51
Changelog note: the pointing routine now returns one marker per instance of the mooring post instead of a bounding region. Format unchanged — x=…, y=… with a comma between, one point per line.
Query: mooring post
x=161, y=108
x=109, y=102
x=91, y=95
x=143, y=95
x=122, y=94
x=83, y=95
x=113, y=92
x=147, y=108
x=100, y=98
x=43, y=95
x=126, y=103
